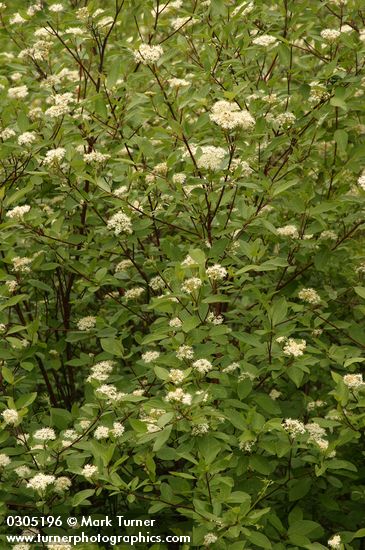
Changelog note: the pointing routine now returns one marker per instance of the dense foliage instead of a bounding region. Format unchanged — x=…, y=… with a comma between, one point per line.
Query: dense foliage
x=181, y=268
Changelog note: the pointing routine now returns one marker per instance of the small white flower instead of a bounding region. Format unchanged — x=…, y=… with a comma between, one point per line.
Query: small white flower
x=229, y=116
x=86, y=323
x=4, y=460
x=18, y=92
x=54, y=156
x=148, y=54
x=133, y=293
x=353, y=381
x=185, y=352
x=56, y=8
x=288, y=231
x=150, y=356
x=18, y=212
x=294, y=348
x=210, y=538
x=330, y=35
x=309, y=295
x=335, y=542
x=216, y=272
x=40, y=482
x=294, y=427
x=89, y=471
x=120, y=223
x=118, y=429
x=202, y=365
x=176, y=376
x=45, y=434
x=265, y=40
x=10, y=416
x=175, y=322
x=101, y=432
x=27, y=138
x=62, y=484
x=191, y=285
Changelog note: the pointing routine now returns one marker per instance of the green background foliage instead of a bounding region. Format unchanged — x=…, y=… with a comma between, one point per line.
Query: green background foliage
x=221, y=463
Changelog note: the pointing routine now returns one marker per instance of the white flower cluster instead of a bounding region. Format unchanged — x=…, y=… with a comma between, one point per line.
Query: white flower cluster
x=229, y=115
x=208, y=156
x=274, y=394
x=157, y=283
x=214, y=319
x=294, y=348
x=21, y=265
x=312, y=405
x=309, y=295
x=10, y=416
x=285, y=119
x=62, y=484
x=148, y=54
x=361, y=180
x=185, y=352
x=120, y=223
x=89, y=471
x=151, y=419
x=353, y=381
x=210, y=538
x=11, y=285
x=54, y=156
x=288, y=231
x=265, y=40
x=133, y=293
x=7, y=133
x=176, y=376
x=27, y=138
x=40, y=482
x=191, y=285
x=330, y=35
x=335, y=542
x=45, y=434
x=109, y=392
x=216, y=272
x=175, y=322
x=95, y=156
x=231, y=368
x=179, y=396
x=330, y=235
x=18, y=92
x=178, y=82
x=4, y=460
x=123, y=266
x=200, y=429
x=86, y=323
x=101, y=371
x=18, y=212
x=202, y=365
x=150, y=356
x=294, y=427
x=317, y=435
x=62, y=105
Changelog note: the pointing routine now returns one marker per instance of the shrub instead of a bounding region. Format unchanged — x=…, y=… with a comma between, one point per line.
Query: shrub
x=181, y=265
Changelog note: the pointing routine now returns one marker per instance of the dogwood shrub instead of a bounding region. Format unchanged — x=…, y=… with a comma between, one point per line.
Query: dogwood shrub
x=181, y=268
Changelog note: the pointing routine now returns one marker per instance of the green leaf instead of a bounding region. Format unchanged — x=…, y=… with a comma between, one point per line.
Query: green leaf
x=162, y=437
x=112, y=346
x=82, y=496
x=341, y=138
x=259, y=539
x=360, y=291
